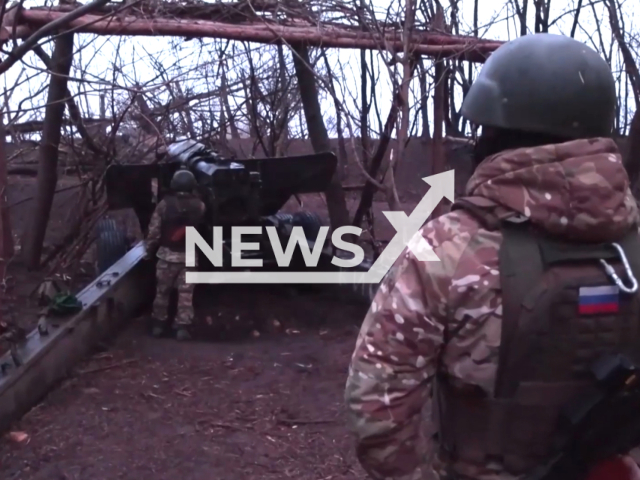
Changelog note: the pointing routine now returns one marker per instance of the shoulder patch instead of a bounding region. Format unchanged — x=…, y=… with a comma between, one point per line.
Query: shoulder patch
x=602, y=299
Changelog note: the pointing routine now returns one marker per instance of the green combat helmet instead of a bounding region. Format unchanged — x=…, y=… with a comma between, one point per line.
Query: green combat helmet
x=183, y=181
x=544, y=83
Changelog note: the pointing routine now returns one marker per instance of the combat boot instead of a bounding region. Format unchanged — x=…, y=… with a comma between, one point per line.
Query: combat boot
x=157, y=328
x=182, y=334
x=157, y=331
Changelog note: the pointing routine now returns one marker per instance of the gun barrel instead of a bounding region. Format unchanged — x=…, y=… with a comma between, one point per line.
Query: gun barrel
x=199, y=159
x=185, y=151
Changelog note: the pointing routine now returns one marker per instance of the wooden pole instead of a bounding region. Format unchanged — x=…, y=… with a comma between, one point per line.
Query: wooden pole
x=6, y=232
x=336, y=202
x=437, y=142
x=48, y=161
x=426, y=43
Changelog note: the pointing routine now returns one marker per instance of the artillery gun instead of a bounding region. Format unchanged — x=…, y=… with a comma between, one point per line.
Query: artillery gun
x=249, y=192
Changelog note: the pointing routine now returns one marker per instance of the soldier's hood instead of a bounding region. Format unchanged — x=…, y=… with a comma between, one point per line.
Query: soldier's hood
x=578, y=189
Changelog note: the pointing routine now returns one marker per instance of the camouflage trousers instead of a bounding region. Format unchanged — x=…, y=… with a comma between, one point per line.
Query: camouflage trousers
x=171, y=276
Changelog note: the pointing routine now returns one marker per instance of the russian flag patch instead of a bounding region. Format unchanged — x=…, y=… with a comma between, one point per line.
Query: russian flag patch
x=178, y=234
x=594, y=300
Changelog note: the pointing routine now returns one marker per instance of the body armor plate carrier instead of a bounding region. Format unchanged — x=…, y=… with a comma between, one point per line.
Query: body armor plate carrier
x=182, y=210
x=561, y=311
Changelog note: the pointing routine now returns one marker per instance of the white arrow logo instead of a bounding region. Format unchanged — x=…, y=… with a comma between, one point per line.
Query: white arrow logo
x=407, y=236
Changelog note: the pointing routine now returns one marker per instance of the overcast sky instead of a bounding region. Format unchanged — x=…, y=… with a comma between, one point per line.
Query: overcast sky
x=137, y=54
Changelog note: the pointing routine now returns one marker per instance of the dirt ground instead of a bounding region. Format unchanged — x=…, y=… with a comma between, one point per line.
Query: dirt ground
x=267, y=408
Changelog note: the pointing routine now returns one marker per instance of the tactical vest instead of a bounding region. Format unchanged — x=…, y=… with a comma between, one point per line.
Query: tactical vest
x=561, y=310
x=181, y=211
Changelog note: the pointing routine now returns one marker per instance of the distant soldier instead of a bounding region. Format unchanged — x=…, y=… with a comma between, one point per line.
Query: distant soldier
x=177, y=210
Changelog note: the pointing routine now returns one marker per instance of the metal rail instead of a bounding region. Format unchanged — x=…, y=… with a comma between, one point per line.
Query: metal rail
x=56, y=345
x=51, y=350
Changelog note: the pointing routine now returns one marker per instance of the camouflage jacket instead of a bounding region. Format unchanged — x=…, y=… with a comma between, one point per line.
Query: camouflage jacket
x=579, y=189
x=152, y=242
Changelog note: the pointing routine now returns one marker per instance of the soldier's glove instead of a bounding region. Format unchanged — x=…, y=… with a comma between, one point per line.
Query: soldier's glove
x=149, y=256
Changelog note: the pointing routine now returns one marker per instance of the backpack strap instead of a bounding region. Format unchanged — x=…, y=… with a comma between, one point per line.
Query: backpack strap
x=517, y=277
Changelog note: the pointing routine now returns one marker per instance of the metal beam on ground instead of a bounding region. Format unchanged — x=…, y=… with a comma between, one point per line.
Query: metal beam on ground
x=48, y=354
x=52, y=349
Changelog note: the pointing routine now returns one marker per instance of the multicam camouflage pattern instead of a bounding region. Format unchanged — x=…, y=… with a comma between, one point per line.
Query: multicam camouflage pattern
x=170, y=275
x=170, y=272
x=152, y=242
x=578, y=189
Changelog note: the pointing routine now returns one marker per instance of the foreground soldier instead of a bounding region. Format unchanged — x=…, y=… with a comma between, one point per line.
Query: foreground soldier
x=166, y=239
x=505, y=326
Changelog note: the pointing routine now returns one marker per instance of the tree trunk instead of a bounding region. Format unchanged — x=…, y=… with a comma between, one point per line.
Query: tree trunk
x=6, y=232
x=439, y=100
x=632, y=160
x=336, y=202
x=74, y=111
x=48, y=161
x=224, y=97
x=369, y=190
x=408, y=63
x=627, y=55
x=424, y=101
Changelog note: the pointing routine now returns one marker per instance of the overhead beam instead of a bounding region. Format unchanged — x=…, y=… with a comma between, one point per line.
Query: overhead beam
x=424, y=43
